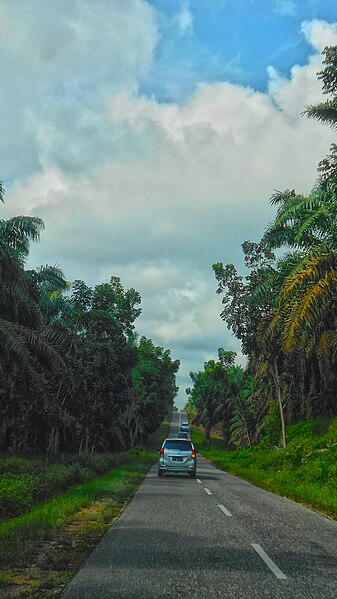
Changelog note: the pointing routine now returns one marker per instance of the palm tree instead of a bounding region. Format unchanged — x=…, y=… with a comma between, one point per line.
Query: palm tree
x=29, y=358
x=307, y=297
x=240, y=392
x=326, y=112
x=307, y=306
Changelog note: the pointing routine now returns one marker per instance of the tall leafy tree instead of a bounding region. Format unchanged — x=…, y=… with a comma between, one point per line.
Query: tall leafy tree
x=154, y=388
x=209, y=393
x=73, y=376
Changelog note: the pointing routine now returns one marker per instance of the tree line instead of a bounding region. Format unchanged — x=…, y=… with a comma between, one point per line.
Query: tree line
x=284, y=311
x=75, y=376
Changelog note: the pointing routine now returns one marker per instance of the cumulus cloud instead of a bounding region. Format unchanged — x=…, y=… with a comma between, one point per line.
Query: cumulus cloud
x=58, y=62
x=154, y=193
x=302, y=88
x=319, y=33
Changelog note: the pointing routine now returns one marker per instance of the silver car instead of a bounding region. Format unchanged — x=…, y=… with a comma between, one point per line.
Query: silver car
x=184, y=427
x=177, y=455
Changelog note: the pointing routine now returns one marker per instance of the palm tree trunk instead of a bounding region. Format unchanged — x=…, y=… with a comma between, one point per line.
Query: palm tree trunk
x=279, y=399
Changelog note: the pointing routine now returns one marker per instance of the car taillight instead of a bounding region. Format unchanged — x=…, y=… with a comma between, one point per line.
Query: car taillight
x=162, y=451
x=194, y=455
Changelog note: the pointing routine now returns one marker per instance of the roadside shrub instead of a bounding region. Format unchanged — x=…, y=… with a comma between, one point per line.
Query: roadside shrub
x=305, y=470
x=16, y=465
x=24, y=483
x=271, y=428
x=15, y=495
x=98, y=462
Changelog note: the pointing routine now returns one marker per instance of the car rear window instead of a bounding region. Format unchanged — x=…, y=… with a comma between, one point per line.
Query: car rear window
x=177, y=444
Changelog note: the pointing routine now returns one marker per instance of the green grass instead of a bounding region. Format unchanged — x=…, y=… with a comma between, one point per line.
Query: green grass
x=18, y=535
x=27, y=482
x=41, y=550
x=305, y=471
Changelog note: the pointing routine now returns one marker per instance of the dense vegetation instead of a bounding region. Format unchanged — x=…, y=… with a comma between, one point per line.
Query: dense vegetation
x=305, y=470
x=284, y=312
x=74, y=376
x=70, y=503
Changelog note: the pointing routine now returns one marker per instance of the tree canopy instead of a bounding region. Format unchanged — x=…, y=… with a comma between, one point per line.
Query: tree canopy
x=284, y=311
x=74, y=376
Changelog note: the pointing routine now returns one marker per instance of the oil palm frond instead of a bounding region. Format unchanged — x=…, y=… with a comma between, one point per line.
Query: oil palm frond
x=307, y=309
x=27, y=346
x=268, y=327
x=58, y=336
x=276, y=236
x=318, y=220
x=326, y=350
x=327, y=345
x=51, y=275
x=282, y=197
x=325, y=112
x=18, y=231
x=308, y=271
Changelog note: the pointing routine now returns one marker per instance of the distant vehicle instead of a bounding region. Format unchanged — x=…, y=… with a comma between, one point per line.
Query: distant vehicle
x=177, y=455
x=184, y=427
x=183, y=436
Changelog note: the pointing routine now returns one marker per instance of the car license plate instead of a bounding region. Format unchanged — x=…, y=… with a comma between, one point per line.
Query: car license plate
x=176, y=459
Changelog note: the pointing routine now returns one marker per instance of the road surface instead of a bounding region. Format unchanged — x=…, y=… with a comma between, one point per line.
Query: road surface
x=216, y=536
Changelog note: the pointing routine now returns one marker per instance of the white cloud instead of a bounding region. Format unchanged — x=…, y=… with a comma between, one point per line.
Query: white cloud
x=155, y=193
x=58, y=62
x=184, y=19
x=286, y=8
x=302, y=88
x=319, y=33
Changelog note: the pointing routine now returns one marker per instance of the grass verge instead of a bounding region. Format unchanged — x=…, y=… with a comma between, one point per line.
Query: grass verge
x=305, y=471
x=40, y=551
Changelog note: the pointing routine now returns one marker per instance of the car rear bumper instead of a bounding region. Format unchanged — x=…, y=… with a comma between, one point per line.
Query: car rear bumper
x=178, y=468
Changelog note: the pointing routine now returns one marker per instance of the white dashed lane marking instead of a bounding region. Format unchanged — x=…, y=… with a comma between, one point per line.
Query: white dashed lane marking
x=207, y=491
x=198, y=480
x=224, y=510
x=271, y=565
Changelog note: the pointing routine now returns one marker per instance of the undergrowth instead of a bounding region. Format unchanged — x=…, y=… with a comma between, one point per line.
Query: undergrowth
x=306, y=470
x=41, y=549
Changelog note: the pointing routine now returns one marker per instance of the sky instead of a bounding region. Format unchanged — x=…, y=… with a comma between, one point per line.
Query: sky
x=150, y=135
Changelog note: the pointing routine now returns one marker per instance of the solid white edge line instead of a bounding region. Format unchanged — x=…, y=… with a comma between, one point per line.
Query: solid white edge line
x=224, y=510
x=198, y=480
x=208, y=491
x=271, y=565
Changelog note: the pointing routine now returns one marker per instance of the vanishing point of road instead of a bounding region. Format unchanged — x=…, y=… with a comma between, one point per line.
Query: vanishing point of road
x=214, y=536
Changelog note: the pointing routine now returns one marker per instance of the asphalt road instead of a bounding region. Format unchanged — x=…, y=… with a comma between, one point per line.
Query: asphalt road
x=216, y=536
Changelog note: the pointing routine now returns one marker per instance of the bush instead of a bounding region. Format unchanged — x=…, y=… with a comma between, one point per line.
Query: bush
x=305, y=470
x=16, y=465
x=24, y=483
x=15, y=495
x=271, y=429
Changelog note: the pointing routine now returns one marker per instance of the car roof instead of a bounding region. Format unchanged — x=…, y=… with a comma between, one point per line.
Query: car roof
x=177, y=439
